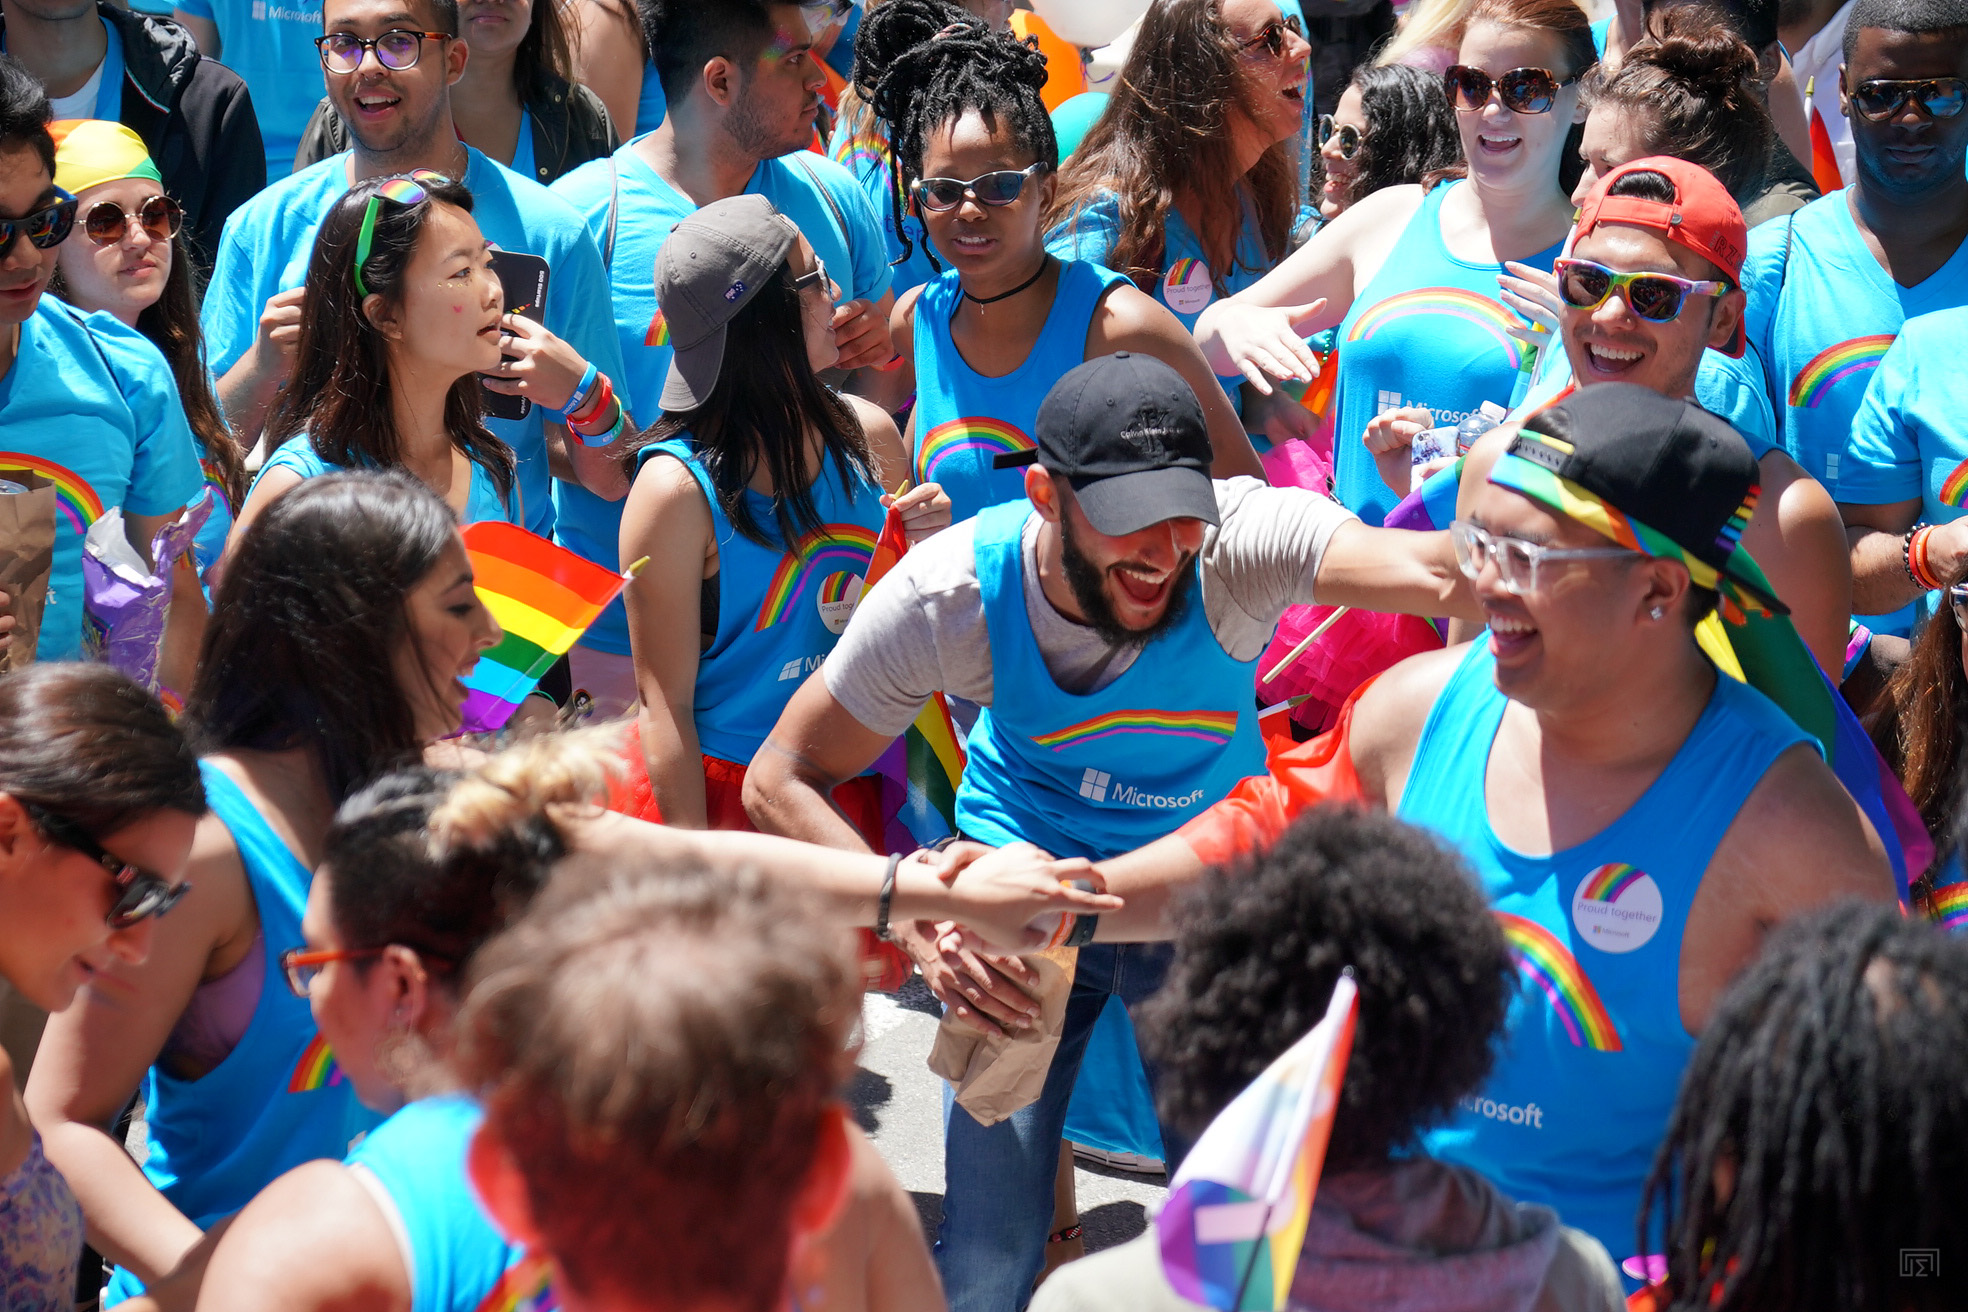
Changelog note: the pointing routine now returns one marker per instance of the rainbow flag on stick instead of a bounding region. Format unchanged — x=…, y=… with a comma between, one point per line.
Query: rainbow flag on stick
x=544, y=597
x=1237, y=1209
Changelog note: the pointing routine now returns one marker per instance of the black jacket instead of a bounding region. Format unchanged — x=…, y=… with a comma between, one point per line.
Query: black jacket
x=570, y=127
x=195, y=118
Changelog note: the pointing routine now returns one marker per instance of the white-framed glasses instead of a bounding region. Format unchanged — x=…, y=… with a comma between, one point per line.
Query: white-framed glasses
x=1518, y=562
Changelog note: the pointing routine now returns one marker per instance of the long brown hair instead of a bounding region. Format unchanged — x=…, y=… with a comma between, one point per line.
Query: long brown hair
x=545, y=53
x=1162, y=137
x=1561, y=19
x=1917, y=723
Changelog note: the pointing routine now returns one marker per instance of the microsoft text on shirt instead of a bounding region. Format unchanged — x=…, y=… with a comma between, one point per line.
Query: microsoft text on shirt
x=263, y=12
x=1099, y=786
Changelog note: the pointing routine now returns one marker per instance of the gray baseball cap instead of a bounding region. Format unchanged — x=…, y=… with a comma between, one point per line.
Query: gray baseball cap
x=710, y=265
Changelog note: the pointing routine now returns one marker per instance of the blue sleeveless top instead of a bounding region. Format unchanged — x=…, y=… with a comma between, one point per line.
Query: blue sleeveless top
x=1427, y=330
x=1099, y=773
x=964, y=419
x=651, y=104
x=779, y=612
x=1588, y=1074
x=278, y=1099
x=458, y=1261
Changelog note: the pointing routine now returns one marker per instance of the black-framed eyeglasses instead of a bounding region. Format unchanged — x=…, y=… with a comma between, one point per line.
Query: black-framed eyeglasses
x=1347, y=135
x=396, y=49
x=1272, y=38
x=106, y=222
x=1880, y=98
x=140, y=894
x=1000, y=188
x=44, y=228
x=1522, y=90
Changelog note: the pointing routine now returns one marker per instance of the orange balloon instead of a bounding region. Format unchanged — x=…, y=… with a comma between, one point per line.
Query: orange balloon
x=1065, y=73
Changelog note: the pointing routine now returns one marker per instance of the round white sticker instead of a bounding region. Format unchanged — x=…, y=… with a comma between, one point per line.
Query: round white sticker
x=1617, y=908
x=837, y=596
x=1188, y=287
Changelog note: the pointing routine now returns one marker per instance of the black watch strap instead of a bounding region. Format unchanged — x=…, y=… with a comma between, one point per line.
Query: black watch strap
x=887, y=900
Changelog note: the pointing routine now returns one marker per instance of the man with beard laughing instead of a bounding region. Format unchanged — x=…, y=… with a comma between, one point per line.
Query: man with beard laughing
x=1110, y=627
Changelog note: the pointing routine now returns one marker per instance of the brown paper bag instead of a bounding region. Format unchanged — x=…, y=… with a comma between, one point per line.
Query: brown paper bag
x=996, y=1074
x=27, y=557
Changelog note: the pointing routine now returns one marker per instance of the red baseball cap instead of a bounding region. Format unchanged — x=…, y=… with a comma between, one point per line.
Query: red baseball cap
x=1703, y=217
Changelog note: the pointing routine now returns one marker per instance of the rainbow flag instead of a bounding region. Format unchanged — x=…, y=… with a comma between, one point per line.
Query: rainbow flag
x=1238, y=1207
x=544, y=597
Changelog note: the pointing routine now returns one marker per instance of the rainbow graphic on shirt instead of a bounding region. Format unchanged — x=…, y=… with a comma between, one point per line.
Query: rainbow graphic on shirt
x=75, y=500
x=1213, y=727
x=659, y=331
x=828, y=550
x=844, y=586
x=862, y=153
x=317, y=1068
x=526, y=1286
x=1544, y=961
x=1479, y=312
x=1948, y=908
x=1833, y=365
x=990, y=437
x=1609, y=881
x=1954, y=488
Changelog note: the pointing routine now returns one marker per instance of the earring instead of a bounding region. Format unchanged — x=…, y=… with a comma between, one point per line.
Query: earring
x=1658, y=613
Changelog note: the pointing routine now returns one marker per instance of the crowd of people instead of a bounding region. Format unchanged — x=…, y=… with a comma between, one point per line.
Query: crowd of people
x=1464, y=502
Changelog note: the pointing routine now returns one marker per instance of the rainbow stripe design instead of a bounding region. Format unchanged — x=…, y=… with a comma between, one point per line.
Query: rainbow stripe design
x=1214, y=727
x=404, y=191
x=659, y=331
x=991, y=437
x=838, y=587
x=829, y=548
x=1609, y=881
x=1948, y=908
x=317, y=1068
x=1235, y=1221
x=526, y=1286
x=1954, y=489
x=1178, y=273
x=1833, y=365
x=75, y=500
x=1543, y=960
x=862, y=153
x=544, y=597
x=1479, y=312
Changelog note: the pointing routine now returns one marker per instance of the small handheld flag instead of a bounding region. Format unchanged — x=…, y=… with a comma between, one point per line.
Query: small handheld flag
x=1238, y=1208
x=544, y=597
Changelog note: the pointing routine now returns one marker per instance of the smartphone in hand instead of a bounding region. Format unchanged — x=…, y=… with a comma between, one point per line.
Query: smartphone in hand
x=525, y=280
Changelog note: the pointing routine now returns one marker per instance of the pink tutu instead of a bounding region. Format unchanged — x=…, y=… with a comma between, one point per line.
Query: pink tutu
x=1362, y=644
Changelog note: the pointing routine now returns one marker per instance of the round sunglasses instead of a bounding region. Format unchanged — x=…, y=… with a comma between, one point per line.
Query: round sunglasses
x=999, y=188
x=1879, y=99
x=396, y=49
x=1346, y=133
x=1272, y=38
x=106, y=222
x=44, y=228
x=1523, y=90
x=140, y=894
x=1655, y=297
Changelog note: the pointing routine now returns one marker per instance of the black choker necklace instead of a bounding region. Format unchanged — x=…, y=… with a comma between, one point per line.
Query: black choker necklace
x=1044, y=264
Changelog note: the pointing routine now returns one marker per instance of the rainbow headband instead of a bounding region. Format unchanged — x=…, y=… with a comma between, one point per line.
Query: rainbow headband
x=1743, y=589
x=406, y=190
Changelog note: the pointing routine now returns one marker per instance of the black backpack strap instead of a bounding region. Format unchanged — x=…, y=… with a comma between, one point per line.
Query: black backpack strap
x=614, y=212
x=833, y=206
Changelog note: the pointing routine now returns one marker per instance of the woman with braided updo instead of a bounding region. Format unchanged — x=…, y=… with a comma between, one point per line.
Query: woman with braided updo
x=975, y=152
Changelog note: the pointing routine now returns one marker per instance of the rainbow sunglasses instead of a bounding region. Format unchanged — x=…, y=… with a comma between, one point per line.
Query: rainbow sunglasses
x=406, y=190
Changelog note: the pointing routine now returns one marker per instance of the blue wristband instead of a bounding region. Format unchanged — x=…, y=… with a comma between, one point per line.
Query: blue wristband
x=580, y=397
x=605, y=436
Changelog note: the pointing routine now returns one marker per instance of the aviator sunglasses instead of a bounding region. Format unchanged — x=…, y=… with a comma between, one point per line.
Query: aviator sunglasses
x=1348, y=135
x=1523, y=90
x=140, y=894
x=1879, y=99
x=106, y=222
x=44, y=228
x=1655, y=297
x=1000, y=188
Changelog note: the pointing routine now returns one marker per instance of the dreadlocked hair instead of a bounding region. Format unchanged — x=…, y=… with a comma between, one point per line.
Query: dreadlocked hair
x=1162, y=136
x=1822, y=1128
x=932, y=63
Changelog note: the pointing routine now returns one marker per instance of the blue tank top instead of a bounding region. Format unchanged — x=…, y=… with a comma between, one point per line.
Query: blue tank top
x=1427, y=330
x=1099, y=773
x=651, y=105
x=779, y=612
x=1585, y=1080
x=458, y=1261
x=963, y=419
x=278, y=1099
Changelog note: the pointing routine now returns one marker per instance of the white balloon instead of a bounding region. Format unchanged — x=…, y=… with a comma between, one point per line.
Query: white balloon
x=1089, y=22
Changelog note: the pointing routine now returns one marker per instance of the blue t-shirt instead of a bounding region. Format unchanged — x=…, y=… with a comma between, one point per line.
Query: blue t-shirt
x=481, y=503
x=651, y=104
x=1910, y=438
x=865, y=155
x=269, y=240
x=271, y=47
x=1731, y=389
x=90, y=405
x=647, y=208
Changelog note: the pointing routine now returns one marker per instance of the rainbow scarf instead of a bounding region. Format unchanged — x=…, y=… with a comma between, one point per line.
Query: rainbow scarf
x=544, y=597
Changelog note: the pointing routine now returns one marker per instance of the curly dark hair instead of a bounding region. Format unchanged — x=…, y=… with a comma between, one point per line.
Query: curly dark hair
x=1822, y=1127
x=1260, y=944
x=1411, y=128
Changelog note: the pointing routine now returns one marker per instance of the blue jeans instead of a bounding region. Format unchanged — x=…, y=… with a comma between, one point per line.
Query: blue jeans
x=997, y=1180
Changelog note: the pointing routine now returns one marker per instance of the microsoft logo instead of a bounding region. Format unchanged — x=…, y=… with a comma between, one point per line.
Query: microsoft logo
x=1388, y=401
x=1093, y=785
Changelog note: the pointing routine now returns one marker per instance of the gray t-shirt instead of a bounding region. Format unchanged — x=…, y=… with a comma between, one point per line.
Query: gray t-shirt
x=921, y=629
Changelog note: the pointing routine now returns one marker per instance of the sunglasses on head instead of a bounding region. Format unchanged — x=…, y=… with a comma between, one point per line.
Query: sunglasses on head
x=1000, y=188
x=139, y=893
x=1879, y=99
x=1347, y=134
x=1272, y=38
x=1655, y=297
x=406, y=190
x=43, y=228
x=396, y=49
x=1523, y=90
x=106, y=222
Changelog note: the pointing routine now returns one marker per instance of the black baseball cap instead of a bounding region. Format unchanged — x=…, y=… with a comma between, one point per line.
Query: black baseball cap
x=1129, y=434
x=1654, y=473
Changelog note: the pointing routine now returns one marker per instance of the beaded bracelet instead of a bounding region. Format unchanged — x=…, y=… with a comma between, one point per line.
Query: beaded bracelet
x=1918, y=568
